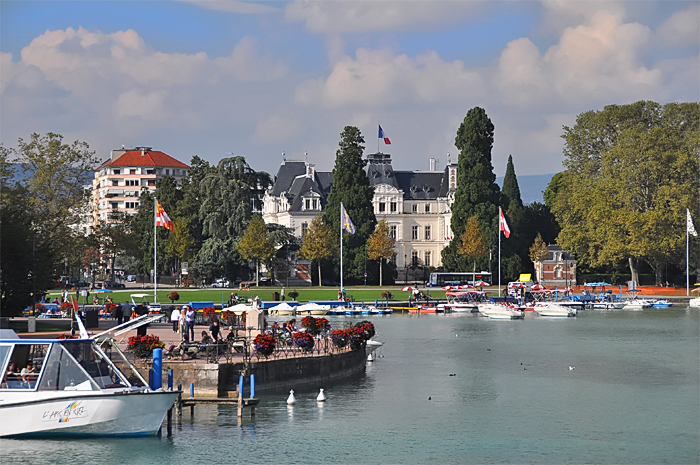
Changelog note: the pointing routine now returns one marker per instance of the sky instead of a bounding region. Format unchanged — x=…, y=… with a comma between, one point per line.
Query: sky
x=258, y=79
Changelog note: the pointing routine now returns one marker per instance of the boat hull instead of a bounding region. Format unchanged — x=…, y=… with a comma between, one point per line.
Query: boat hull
x=125, y=413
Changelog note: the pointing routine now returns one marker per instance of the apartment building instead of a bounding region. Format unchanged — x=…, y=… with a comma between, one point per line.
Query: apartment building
x=119, y=181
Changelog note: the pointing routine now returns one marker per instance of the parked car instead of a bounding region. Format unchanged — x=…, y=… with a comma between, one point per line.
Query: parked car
x=221, y=282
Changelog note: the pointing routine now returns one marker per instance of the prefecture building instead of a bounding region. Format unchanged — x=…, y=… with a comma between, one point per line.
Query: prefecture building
x=118, y=181
x=416, y=205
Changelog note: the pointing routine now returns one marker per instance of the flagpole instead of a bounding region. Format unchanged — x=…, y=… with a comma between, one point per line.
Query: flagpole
x=499, y=251
x=155, y=249
x=341, y=246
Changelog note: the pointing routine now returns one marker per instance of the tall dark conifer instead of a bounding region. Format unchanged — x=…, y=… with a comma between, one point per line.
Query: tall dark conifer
x=477, y=192
x=351, y=187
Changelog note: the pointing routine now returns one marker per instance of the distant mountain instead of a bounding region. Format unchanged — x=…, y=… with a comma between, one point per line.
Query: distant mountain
x=531, y=187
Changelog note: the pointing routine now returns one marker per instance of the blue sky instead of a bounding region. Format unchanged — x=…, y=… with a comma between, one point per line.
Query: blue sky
x=261, y=78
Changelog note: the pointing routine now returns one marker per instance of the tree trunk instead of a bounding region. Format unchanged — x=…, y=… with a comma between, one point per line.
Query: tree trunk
x=380, y=271
x=318, y=264
x=257, y=273
x=634, y=271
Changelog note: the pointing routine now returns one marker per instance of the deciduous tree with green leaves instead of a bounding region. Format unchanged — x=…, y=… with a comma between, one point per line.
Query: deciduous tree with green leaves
x=631, y=172
x=351, y=187
x=256, y=244
x=380, y=246
x=472, y=243
x=318, y=243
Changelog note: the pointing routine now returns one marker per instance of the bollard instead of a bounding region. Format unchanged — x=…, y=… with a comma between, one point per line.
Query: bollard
x=157, y=368
x=252, y=386
x=170, y=380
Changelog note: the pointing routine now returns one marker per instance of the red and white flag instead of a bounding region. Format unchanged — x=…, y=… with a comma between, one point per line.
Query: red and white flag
x=502, y=225
x=162, y=218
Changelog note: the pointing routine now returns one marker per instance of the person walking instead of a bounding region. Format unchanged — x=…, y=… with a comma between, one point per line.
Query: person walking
x=189, y=319
x=175, y=318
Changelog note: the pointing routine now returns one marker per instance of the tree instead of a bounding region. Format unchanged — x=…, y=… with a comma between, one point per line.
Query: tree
x=351, y=187
x=631, y=172
x=538, y=250
x=477, y=193
x=180, y=246
x=256, y=244
x=227, y=195
x=40, y=212
x=472, y=243
x=318, y=243
x=380, y=245
x=511, y=191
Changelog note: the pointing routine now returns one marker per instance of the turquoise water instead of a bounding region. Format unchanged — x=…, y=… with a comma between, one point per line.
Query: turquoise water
x=632, y=397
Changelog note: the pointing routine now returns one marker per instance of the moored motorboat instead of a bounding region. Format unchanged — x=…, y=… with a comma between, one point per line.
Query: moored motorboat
x=75, y=390
x=500, y=312
x=550, y=309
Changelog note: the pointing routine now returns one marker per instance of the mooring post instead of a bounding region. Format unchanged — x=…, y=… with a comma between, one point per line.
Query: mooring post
x=157, y=368
x=179, y=400
x=192, y=396
x=241, y=379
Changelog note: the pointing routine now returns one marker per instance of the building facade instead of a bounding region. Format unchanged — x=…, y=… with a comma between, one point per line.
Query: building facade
x=118, y=182
x=558, y=269
x=415, y=204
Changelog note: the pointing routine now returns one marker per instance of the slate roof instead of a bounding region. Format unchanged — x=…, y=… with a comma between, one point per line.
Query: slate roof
x=149, y=158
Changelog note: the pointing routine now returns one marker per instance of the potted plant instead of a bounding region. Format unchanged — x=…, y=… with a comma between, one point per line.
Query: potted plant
x=340, y=337
x=303, y=340
x=142, y=346
x=264, y=344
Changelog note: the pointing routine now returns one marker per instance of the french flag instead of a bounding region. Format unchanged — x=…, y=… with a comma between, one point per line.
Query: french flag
x=382, y=135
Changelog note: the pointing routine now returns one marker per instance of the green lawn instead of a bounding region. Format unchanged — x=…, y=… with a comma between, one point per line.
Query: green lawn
x=306, y=294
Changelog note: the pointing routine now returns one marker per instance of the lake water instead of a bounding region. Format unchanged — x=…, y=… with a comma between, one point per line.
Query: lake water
x=632, y=397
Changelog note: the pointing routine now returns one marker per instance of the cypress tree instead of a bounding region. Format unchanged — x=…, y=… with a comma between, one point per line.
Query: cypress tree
x=511, y=191
x=477, y=192
x=351, y=187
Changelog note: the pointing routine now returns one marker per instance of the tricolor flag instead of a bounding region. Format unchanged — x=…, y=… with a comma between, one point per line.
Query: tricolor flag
x=689, y=225
x=502, y=225
x=345, y=220
x=382, y=135
x=162, y=218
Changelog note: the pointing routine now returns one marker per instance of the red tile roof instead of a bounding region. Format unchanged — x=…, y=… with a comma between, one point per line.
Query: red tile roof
x=149, y=158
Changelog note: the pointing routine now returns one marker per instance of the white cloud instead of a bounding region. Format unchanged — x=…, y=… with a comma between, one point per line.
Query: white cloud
x=247, y=64
x=682, y=28
x=378, y=77
x=350, y=16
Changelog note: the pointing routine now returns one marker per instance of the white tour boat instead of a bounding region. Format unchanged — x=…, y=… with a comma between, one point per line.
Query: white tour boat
x=70, y=387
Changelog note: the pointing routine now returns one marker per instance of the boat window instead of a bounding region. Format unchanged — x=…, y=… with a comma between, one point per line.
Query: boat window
x=25, y=364
x=63, y=372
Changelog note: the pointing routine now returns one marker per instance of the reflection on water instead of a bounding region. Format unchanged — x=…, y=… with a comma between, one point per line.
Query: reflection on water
x=459, y=388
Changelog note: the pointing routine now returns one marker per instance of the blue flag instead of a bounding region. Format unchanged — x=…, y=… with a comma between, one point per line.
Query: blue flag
x=345, y=220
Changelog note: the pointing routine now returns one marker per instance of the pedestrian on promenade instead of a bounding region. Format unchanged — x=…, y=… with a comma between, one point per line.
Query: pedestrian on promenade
x=189, y=319
x=175, y=318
